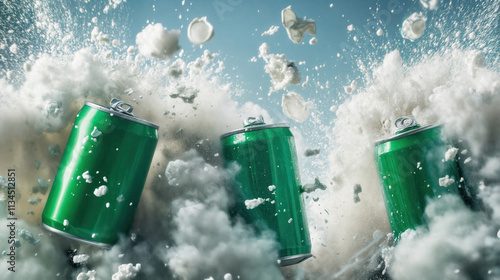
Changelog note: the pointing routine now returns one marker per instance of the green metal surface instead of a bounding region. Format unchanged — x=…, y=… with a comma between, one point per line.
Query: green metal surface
x=410, y=166
x=117, y=153
x=267, y=157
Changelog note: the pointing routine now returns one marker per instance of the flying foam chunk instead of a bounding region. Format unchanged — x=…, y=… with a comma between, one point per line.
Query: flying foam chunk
x=296, y=27
x=295, y=107
x=413, y=27
x=200, y=31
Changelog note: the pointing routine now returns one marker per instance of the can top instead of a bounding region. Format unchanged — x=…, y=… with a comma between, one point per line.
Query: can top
x=116, y=109
x=405, y=123
x=405, y=126
x=252, y=124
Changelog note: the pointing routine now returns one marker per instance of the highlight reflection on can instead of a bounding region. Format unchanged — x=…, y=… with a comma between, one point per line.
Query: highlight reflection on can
x=412, y=170
x=267, y=187
x=102, y=172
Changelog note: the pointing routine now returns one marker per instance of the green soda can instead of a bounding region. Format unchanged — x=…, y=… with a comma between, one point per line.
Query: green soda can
x=412, y=170
x=102, y=172
x=267, y=187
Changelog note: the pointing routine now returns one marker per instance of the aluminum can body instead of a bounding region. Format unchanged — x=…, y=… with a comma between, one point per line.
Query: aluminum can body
x=99, y=182
x=412, y=169
x=267, y=187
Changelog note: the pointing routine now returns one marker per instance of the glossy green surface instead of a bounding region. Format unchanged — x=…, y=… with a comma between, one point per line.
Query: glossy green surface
x=410, y=168
x=118, y=158
x=267, y=157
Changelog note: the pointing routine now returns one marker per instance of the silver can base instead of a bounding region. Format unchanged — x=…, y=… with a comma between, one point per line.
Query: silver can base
x=291, y=260
x=74, y=237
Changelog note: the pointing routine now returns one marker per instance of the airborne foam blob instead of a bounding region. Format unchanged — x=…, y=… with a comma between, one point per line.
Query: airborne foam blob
x=282, y=72
x=200, y=31
x=295, y=107
x=126, y=272
x=155, y=41
x=296, y=28
x=413, y=27
x=430, y=4
x=271, y=31
x=253, y=203
x=450, y=154
x=102, y=190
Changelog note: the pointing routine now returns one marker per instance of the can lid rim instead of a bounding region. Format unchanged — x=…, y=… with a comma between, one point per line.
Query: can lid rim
x=407, y=133
x=253, y=128
x=120, y=114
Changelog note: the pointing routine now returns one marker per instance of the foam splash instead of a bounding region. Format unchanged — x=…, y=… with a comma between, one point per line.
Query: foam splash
x=448, y=96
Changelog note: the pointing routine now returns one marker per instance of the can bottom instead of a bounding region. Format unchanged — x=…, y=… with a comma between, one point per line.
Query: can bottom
x=74, y=237
x=290, y=260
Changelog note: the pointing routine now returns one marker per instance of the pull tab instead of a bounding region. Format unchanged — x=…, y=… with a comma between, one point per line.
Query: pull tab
x=254, y=120
x=116, y=104
x=406, y=123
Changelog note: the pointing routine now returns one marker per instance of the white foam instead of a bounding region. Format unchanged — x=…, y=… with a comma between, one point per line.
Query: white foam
x=253, y=203
x=80, y=258
x=87, y=177
x=295, y=107
x=200, y=31
x=413, y=27
x=271, y=31
x=313, y=41
x=65, y=223
x=126, y=272
x=380, y=32
x=14, y=48
x=272, y=188
x=156, y=41
x=450, y=154
x=95, y=133
x=304, y=84
x=115, y=3
x=98, y=36
x=350, y=27
x=430, y=4
x=282, y=72
x=89, y=275
x=446, y=181
x=102, y=190
x=296, y=28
